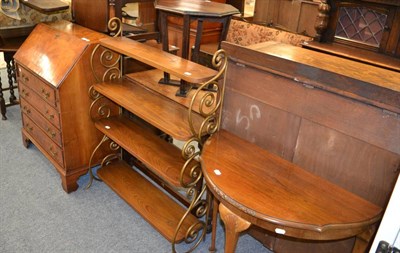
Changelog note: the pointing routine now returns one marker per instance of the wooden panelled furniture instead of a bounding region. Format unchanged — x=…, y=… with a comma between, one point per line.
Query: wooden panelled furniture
x=304, y=119
x=95, y=14
x=54, y=75
x=362, y=30
x=289, y=15
x=147, y=111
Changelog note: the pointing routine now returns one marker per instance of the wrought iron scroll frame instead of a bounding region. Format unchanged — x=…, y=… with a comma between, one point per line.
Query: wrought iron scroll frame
x=210, y=108
x=113, y=66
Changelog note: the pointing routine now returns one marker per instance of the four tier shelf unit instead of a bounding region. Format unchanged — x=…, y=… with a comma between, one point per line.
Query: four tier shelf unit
x=139, y=116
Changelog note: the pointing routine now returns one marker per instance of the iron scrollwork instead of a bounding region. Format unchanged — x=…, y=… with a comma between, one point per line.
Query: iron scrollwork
x=101, y=107
x=209, y=108
x=209, y=102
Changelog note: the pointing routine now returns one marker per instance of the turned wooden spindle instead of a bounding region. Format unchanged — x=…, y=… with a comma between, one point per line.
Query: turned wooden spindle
x=321, y=22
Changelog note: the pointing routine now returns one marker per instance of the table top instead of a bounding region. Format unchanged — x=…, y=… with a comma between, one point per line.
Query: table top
x=11, y=44
x=45, y=6
x=362, y=55
x=317, y=60
x=196, y=8
x=279, y=196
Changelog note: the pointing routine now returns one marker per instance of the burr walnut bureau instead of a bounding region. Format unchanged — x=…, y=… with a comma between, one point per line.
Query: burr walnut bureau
x=54, y=76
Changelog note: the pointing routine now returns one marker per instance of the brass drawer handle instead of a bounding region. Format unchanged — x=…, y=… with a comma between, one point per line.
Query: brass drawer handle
x=52, y=153
x=24, y=93
x=52, y=134
x=25, y=78
x=49, y=116
x=45, y=94
x=28, y=127
x=26, y=109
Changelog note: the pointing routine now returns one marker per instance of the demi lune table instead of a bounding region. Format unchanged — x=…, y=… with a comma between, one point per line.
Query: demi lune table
x=256, y=187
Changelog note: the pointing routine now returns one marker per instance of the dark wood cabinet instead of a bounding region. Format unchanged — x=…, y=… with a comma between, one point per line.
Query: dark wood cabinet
x=95, y=14
x=365, y=31
x=54, y=76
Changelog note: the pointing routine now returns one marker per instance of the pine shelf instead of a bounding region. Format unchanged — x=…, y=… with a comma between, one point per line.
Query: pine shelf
x=186, y=70
x=161, y=157
x=150, y=80
x=171, y=195
x=171, y=117
x=150, y=202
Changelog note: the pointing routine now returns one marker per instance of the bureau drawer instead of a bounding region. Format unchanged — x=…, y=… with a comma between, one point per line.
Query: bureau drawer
x=40, y=121
x=44, y=141
x=48, y=112
x=42, y=89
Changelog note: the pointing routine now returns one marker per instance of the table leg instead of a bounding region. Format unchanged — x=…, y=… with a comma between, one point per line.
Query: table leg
x=196, y=50
x=362, y=241
x=2, y=103
x=233, y=226
x=185, y=87
x=225, y=25
x=214, y=225
x=8, y=57
x=163, y=27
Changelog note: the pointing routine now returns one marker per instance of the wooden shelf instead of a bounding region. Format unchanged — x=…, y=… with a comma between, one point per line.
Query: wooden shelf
x=150, y=79
x=163, y=158
x=175, y=65
x=170, y=195
x=171, y=117
x=150, y=202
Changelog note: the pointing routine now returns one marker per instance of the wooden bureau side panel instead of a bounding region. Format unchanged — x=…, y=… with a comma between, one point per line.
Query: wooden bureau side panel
x=255, y=121
x=355, y=165
x=79, y=133
x=365, y=122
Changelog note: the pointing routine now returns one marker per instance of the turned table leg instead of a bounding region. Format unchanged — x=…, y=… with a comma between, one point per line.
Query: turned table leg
x=2, y=103
x=8, y=57
x=233, y=226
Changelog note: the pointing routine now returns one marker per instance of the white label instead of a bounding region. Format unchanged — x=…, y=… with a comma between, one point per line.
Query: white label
x=217, y=172
x=280, y=231
x=107, y=127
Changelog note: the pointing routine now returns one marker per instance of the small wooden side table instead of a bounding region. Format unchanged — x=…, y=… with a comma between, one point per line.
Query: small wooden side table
x=190, y=11
x=256, y=187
